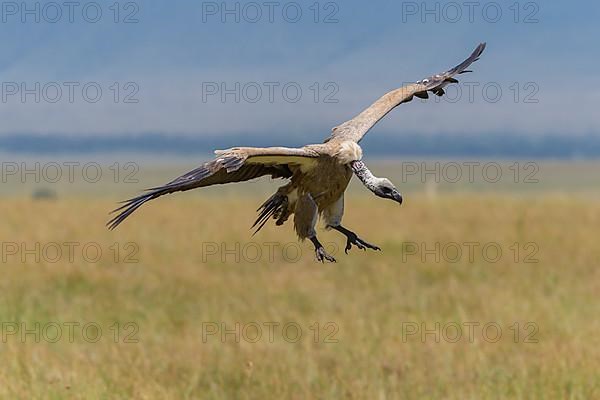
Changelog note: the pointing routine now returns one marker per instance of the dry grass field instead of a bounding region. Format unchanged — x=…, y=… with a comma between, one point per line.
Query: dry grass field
x=475, y=296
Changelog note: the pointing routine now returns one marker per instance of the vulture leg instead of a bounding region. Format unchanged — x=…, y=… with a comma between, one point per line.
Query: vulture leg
x=305, y=217
x=353, y=239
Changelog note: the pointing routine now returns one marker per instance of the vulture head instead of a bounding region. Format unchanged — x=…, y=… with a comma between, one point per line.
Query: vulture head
x=385, y=189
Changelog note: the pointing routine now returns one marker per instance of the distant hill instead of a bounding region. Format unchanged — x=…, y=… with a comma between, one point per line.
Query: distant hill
x=436, y=145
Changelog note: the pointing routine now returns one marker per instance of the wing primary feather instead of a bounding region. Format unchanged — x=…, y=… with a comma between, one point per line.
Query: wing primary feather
x=356, y=128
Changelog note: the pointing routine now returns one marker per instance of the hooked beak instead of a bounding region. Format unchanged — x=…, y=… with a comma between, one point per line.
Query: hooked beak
x=398, y=198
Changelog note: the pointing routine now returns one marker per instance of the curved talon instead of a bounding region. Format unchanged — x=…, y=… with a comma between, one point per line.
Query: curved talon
x=322, y=255
x=320, y=251
x=353, y=239
x=359, y=243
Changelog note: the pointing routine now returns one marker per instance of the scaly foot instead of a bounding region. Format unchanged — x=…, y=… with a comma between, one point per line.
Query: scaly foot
x=358, y=242
x=320, y=252
x=353, y=239
x=322, y=255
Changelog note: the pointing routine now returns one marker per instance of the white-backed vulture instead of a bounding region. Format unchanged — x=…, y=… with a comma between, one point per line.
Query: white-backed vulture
x=318, y=174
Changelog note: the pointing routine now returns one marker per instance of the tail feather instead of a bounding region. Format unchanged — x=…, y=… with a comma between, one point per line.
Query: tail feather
x=270, y=208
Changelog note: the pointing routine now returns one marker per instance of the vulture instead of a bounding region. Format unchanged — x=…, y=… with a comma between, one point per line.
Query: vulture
x=317, y=174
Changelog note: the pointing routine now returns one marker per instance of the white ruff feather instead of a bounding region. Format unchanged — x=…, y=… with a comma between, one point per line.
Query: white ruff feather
x=348, y=152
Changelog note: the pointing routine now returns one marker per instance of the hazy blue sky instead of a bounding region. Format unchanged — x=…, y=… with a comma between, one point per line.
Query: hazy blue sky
x=542, y=56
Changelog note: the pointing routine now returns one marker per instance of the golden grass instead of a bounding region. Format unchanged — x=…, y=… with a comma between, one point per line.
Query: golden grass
x=175, y=289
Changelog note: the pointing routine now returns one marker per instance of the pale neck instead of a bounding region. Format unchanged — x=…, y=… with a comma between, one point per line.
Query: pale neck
x=365, y=176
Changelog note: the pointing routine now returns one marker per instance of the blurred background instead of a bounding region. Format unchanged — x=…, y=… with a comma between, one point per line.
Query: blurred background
x=486, y=284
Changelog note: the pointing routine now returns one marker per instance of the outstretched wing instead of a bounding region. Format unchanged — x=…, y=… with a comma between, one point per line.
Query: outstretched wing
x=233, y=165
x=357, y=127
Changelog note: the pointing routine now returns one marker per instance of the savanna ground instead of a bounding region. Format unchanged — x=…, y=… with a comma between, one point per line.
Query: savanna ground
x=439, y=313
